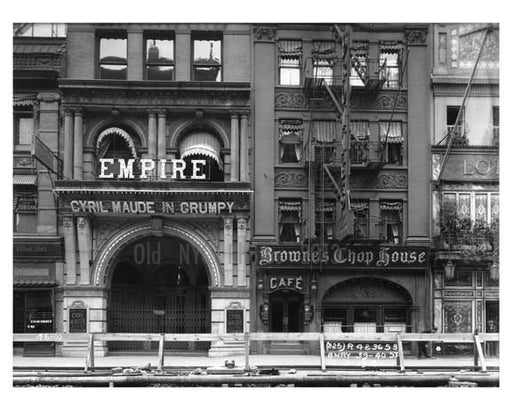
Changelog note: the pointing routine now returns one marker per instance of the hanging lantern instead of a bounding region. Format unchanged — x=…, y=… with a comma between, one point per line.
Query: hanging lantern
x=449, y=270
x=494, y=271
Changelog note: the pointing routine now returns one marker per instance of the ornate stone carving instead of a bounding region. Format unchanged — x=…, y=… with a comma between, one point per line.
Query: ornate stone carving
x=23, y=162
x=416, y=36
x=383, y=101
x=105, y=229
x=67, y=222
x=48, y=97
x=385, y=180
x=228, y=223
x=241, y=224
x=264, y=33
x=291, y=179
x=210, y=230
x=290, y=99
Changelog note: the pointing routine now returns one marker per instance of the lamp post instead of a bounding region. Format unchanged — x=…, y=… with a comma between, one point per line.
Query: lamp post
x=449, y=270
x=494, y=271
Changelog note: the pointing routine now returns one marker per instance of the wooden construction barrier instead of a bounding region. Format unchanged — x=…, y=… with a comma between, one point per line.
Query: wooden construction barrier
x=247, y=338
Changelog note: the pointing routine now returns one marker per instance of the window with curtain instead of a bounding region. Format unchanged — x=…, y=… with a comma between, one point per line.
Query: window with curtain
x=113, y=52
x=392, y=137
x=324, y=136
x=159, y=48
x=290, y=62
x=391, y=221
x=290, y=141
x=361, y=211
x=325, y=218
x=290, y=215
x=390, y=53
x=323, y=54
x=359, y=56
x=207, y=50
x=359, y=137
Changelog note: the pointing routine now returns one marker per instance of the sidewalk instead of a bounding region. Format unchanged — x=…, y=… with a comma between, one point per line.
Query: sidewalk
x=254, y=361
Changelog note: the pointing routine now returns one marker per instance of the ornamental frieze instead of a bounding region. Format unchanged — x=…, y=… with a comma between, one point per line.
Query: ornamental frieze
x=264, y=33
x=210, y=230
x=383, y=101
x=385, y=180
x=416, y=36
x=291, y=179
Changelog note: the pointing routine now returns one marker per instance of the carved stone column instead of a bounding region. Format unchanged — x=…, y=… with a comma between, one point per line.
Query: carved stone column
x=84, y=248
x=78, y=146
x=241, y=251
x=244, y=145
x=161, y=134
x=68, y=228
x=228, y=251
x=152, y=135
x=68, y=144
x=235, y=156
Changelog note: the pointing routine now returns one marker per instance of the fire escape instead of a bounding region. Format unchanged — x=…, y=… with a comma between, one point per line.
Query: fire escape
x=327, y=148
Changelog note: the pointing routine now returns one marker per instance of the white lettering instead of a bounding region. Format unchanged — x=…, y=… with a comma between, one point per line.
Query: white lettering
x=145, y=166
x=196, y=169
x=178, y=166
x=104, y=167
x=125, y=170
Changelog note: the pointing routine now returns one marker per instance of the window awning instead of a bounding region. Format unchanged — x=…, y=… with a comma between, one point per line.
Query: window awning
x=324, y=131
x=103, y=143
x=24, y=180
x=390, y=206
x=24, y=100
x=201, y=143
x=293, y=206
x=391, y=132
x=33, y=284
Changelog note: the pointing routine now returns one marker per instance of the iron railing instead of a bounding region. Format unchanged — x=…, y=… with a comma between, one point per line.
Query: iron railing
x=364, y=152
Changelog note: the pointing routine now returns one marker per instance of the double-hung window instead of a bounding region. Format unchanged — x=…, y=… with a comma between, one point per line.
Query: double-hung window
x=361, y=211
x=290, y=214
x=392, y=138
x=359, y=56
x=290, y=141
x=359, y=141
x=113, y=61
x=23, y=127
x=323, y=54
x=207, y=52
x=391, y=222
x=325, y=219
x=159, y=49
x=390, y=54
x=290, y=61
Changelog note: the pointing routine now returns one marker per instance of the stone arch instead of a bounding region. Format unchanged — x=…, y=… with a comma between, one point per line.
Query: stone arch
x=103, y=264
x=367, y=289
x=192, y=125
x=94, y=130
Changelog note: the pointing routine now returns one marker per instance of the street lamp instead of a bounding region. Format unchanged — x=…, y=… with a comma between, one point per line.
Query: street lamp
x=494, y=271
x=449, y=270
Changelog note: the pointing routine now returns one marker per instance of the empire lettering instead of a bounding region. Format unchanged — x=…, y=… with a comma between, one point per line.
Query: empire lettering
x=148, y=167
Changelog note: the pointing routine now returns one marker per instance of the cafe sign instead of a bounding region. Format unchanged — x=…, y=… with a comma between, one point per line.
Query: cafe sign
x=344, y=255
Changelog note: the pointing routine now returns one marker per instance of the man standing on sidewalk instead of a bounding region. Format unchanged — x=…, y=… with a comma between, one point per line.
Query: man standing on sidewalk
x=422, y=345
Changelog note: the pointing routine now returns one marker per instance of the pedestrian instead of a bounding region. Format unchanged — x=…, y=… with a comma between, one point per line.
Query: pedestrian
x=422, y=345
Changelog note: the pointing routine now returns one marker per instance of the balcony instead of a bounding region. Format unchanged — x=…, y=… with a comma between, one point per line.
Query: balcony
x=459, y=135
x=367, y=154
x=371, y=71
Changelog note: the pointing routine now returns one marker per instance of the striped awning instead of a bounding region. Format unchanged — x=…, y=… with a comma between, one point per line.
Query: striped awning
x=23, y=100
x=324, y=131
x=294, y=206
x=391, y=132
x=201, y=143
x=33, y=284
x=103, y=143
x=359, y=205
x=290, y=49
x=24, y=179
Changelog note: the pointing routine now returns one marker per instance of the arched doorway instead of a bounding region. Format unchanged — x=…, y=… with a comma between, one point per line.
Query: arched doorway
x=159, y=284
x=286, y=309
x=366, y=305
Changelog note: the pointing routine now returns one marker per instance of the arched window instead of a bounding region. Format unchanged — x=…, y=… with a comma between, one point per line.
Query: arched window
x=116, y=143
x=201, y=145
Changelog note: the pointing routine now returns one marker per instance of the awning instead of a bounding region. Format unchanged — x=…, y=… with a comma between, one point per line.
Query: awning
x=391, y=132
x=201, y=143
x=290, y=49
x=390, y=206
x=293, y=206
x=24, y=180
x=324, y=131
x=33, y=285
x=23, y=100
x=103, y=144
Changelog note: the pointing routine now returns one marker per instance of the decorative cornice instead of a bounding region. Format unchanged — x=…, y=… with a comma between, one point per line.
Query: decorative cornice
x=416, y=36
x=295, y=178
x=394, y=180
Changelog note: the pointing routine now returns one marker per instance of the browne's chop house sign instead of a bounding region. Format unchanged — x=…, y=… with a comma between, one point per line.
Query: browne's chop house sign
x=344, y=255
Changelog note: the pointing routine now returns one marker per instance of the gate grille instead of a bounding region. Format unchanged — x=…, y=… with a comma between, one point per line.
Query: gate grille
x=143, y=319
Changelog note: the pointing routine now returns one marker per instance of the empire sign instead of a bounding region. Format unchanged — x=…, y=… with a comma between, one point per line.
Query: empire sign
x=344, y=255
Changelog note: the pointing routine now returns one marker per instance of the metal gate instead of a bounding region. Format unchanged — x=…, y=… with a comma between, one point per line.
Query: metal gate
x=154, y=319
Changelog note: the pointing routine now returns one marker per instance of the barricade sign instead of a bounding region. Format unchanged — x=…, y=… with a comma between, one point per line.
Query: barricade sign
x=361, y=350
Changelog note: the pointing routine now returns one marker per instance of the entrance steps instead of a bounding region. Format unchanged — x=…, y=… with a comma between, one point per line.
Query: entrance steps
x=286, y=348
x=227, y=348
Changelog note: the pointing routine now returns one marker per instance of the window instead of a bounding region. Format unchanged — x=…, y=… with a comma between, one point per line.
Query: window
x=391, y=222
x=23, y=128
x=323, y=60
x=159, y=56
x=361, y=211
x=25, y=208
x=324, y=137
x=113, y=61
x=458, y=132
x=39, y=30
x=359, y=137
x=392, y=138
x=290, y=141
x=325, y=217
x=359, y=55
x=207, y=51
x=390, y=54
x=290, y=213
x=495, y=125
x=443, y=48
x=290, y=56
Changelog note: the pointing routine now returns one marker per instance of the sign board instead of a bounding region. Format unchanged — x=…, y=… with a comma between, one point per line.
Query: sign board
x=336, y=254
x=46, y=156
x=467, y=167
x=361, y=350
x=77, y=320
x=25, y=248
x=234, y=321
